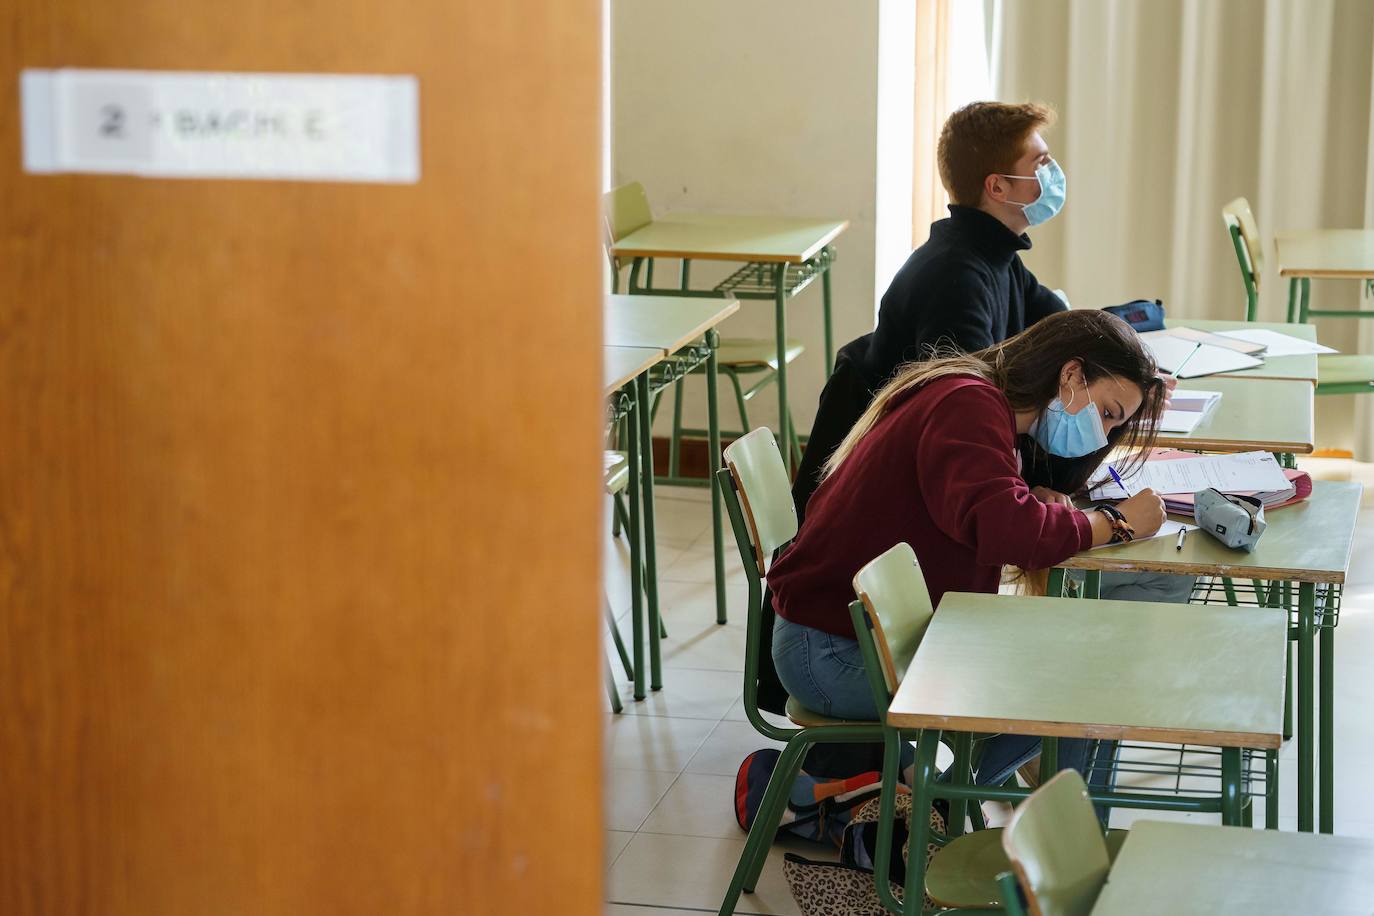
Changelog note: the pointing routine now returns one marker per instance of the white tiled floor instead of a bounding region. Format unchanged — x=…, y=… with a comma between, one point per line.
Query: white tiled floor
x=671, y=839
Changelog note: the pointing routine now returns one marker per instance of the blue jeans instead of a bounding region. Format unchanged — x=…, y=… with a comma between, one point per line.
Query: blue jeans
x=826, y=674
x=1160, y=587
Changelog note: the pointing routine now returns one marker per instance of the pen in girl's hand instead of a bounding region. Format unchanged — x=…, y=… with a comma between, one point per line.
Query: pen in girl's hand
x=1119, y=482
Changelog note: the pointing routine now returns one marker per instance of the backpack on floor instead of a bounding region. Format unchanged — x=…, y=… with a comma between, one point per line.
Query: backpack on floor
x=847, y=887
x=818, y=809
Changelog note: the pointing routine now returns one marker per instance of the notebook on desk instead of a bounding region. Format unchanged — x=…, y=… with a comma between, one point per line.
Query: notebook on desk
x=1184, y=356
x=1239, y=343
x=1171, y=473
x=1187, y=409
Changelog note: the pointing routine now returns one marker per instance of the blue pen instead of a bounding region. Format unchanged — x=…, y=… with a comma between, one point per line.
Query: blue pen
x=1119, y=482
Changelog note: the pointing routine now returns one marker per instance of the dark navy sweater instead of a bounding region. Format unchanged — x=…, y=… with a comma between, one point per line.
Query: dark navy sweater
x=965, y=288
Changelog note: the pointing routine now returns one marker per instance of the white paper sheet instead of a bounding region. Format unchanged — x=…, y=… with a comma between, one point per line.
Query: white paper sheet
x=1277, y=344
x=1170, y=528
x=1241, y=473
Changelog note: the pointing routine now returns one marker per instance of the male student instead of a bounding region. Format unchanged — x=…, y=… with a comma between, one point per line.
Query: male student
x=964, y=289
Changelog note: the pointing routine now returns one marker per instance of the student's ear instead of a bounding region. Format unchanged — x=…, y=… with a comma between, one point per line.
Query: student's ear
x=1071, y=375
x=995, y=187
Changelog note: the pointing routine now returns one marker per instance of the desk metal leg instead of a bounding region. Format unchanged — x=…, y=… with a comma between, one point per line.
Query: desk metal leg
x=962, y=775
x=631, y=439
x=825, y=301
x=887, y=814
x=1288, y=693
x=1049, y=759
x=780, y=319
x=646, y=448
x=1287, y=605
x=1292, y=300
x=713, y=444
x=1305, y=284
x=1326, y=730
x=1054, y=586
x=1271, y=790
x=1306, y=612
x=919, y=830
x=1231, y=801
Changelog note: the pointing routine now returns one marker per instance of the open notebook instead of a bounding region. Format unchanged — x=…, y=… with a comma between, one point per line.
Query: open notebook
x=1187, y=356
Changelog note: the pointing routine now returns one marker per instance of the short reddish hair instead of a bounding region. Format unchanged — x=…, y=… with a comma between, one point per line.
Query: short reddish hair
x=982, y=139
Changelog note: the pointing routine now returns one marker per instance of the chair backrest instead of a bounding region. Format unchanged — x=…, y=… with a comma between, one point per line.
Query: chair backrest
x=1238, y=217
x=623, y=210
x=894, y=595
x=1056, y=848
x=765, y=491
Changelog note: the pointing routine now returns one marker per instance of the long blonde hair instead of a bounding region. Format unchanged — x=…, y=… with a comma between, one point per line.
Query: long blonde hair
x=1026, y=369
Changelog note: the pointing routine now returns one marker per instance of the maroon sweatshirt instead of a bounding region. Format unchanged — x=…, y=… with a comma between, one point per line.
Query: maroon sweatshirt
x=941, y=472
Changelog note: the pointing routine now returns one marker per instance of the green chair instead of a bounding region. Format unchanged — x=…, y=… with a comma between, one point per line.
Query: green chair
x=616, y=477
x=1059, y=857
x=890, y=618
x=739, y=359
x=1337, y=373
x=758, y=498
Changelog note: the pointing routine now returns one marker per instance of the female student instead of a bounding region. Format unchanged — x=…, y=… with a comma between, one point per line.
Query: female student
x=934, y=462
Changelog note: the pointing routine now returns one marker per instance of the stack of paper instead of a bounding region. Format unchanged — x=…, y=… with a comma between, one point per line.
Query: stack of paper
x=1254, y=473
x=1239, y=344
x=1276, y=344
x=1186, y=410
x=1183, y=353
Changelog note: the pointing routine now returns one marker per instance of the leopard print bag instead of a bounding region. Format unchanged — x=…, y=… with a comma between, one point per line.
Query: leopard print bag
x=838, y=889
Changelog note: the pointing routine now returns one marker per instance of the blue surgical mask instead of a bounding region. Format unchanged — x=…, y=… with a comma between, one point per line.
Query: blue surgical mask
x=1053, y=188
x=1069, y=435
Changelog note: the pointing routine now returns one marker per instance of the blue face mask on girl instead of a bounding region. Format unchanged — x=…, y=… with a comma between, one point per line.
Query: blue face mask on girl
x=1053, y=189
x=1070, y=435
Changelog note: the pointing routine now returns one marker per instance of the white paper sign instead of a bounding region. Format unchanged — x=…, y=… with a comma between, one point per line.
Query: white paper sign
x=167, y=124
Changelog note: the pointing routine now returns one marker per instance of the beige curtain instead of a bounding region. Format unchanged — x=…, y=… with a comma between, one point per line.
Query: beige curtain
x=1170, y=108
x=952, y=69
x=932, y=107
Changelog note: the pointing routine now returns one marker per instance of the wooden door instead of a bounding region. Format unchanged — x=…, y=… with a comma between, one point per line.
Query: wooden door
x=298, y=606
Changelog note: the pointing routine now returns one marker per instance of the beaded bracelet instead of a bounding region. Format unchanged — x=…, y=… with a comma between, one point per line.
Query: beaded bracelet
x=1121, y=529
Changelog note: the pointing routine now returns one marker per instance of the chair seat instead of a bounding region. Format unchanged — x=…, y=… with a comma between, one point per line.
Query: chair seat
x=1345, y=369
x=964, y=873
x=758, y=352
x=617, y=471
x=809, y=718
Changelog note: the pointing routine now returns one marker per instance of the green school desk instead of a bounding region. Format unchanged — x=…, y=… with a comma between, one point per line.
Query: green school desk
x=1307, y=543
x=621, y=365
x=1169, y=867
x=1118, y=670
x=1298, y=368
x=781, y=256
x=1272, y=415
x=684, y=331
x=1330, y=253
x=622, y=370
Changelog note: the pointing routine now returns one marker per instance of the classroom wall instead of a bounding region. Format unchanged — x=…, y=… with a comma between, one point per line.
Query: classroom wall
x=765, y=106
